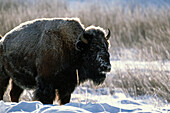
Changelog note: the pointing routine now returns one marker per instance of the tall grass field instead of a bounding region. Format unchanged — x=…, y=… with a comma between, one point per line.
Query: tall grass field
x=140, y=36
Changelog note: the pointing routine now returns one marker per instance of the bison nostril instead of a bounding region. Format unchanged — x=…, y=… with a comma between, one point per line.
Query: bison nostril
x=105, y=68
x=108, y=68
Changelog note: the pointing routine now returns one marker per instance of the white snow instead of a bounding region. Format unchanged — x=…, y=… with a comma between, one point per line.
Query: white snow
x=87, y=100
x=89, y=103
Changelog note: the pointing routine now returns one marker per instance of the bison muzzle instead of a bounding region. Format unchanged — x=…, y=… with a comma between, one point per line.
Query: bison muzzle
x=44, y=54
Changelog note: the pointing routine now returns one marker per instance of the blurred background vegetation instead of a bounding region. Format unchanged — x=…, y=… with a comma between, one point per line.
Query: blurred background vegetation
x=140, y=32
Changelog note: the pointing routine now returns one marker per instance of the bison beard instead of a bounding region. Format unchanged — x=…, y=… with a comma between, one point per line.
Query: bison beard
x=44, y=54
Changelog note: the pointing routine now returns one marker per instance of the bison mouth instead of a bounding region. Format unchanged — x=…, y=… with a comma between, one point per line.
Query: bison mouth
x=99, y=79
x=102, y=71
x=101, y=76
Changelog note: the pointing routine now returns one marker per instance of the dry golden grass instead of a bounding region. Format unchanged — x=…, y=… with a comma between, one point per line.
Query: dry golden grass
x=143, y=31
x=139, y=83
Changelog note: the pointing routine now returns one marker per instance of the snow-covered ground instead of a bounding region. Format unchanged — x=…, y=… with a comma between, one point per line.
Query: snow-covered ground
x=99, y=100
x=88, y=102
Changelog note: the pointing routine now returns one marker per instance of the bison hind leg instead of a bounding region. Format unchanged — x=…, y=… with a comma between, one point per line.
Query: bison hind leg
x=15, y=92
x=4, y=81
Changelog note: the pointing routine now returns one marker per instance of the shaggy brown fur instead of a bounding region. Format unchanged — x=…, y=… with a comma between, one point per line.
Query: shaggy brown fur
x=41, y=54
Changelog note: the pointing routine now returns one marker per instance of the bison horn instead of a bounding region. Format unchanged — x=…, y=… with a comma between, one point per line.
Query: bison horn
x=108, y=35
x=0, y=37
x=82, y=38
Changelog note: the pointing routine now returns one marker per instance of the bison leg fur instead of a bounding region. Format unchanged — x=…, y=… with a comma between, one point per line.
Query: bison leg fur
x=15, y=92
x=45, y=91
x=4, y=81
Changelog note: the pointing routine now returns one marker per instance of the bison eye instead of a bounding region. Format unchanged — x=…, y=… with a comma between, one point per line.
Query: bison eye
x=95, y=48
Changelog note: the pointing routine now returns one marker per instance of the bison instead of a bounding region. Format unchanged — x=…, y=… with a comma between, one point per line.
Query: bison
x=44, y=54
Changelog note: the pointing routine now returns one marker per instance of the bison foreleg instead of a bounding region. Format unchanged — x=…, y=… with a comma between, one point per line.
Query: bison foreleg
x=63, y=97
x=15, y=92
x=45, y=91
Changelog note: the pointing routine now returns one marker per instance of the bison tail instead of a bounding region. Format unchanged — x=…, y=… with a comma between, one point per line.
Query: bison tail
x=0, y=45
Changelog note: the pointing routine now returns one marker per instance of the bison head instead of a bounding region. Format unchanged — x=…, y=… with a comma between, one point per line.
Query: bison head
x=93, y=44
